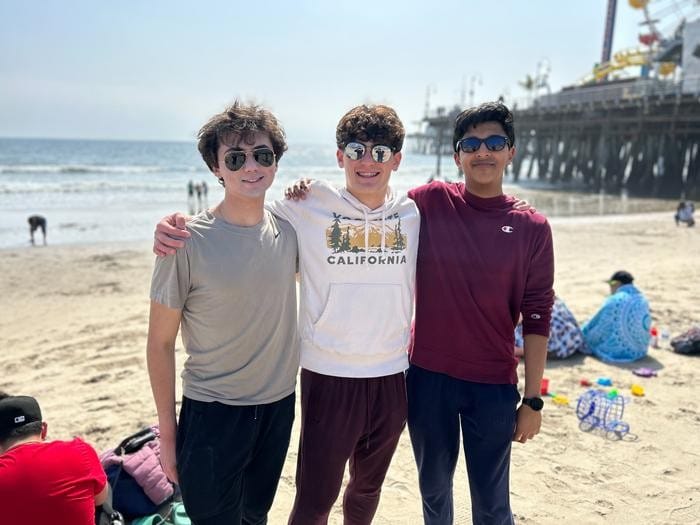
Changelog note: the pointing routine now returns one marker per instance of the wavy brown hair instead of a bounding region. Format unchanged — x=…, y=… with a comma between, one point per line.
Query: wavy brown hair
x=239, y=123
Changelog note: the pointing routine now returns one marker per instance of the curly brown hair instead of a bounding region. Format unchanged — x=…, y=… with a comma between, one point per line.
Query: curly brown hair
x=377, y=123
x=239, y=122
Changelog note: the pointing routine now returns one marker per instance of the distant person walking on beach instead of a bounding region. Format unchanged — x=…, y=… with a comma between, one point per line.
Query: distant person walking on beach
x=481, y=264
x=205, y=193
x=190, y=190
x=684, y=213
x=36, y=222
x=232, y=292
x=620, y=331
x=198, y=191
x=44, y=481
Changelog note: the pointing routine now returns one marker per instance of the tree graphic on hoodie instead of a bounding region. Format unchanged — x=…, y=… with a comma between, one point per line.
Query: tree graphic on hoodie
x=399, y=240
x=345, y=244
x=336, y=234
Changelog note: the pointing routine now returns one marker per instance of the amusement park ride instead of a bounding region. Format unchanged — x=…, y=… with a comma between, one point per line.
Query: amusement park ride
x=658, y=53
x=617, y=129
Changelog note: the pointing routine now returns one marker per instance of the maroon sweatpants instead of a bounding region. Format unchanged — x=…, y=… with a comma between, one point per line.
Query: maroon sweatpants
x=346, y=418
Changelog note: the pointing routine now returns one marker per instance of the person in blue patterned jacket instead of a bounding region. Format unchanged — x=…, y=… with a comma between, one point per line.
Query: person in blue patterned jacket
x=620, y=331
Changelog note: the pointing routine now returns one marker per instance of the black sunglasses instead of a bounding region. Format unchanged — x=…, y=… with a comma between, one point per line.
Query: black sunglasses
x=357, y=150
x=472, y=144
x=235, y=160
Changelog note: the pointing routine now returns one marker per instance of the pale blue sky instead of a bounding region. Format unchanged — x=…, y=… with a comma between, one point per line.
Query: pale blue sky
x=158, y=69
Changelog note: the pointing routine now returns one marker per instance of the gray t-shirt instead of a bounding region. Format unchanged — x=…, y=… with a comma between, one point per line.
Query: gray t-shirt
x=236, y=289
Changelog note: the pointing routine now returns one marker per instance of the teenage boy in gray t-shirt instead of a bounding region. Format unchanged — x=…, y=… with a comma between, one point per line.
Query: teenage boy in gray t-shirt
x=232, y=291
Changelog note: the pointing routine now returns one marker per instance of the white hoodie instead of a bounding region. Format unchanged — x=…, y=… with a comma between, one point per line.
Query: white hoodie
x=358, y=271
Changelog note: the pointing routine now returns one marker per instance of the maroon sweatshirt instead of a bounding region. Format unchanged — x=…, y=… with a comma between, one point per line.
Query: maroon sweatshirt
x=480, y=264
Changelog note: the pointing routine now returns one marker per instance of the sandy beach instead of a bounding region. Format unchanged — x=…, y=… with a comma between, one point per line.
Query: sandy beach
x=73, y=323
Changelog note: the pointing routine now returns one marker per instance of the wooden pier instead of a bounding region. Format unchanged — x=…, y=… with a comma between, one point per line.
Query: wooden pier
x=640, y=137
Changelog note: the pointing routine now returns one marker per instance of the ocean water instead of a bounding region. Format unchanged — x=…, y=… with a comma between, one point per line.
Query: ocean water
x=112, y=191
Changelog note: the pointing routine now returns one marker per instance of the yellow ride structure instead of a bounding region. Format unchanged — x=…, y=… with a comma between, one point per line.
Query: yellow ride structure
x=635, y=57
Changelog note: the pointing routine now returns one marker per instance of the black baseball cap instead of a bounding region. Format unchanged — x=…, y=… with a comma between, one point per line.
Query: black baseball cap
x=17, y=411
x=621, y=277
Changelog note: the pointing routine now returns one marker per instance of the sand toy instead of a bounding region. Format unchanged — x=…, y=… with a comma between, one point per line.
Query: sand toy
x=596, y=409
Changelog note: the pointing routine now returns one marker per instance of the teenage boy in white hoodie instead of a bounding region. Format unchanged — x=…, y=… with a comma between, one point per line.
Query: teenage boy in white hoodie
x=358, y=249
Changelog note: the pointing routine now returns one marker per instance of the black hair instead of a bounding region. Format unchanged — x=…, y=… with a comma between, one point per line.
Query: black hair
x=486, y=112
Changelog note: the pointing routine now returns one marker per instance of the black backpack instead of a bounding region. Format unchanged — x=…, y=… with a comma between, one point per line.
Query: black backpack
x=687, y=343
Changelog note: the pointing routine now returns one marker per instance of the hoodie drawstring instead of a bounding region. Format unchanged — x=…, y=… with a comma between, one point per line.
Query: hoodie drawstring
x=383, y=224
x=364, y=213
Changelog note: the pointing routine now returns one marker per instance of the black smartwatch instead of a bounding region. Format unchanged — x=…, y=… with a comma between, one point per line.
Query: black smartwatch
x=535, y=403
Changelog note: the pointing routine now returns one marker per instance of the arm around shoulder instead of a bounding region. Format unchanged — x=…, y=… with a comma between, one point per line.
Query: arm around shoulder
x=170, y=234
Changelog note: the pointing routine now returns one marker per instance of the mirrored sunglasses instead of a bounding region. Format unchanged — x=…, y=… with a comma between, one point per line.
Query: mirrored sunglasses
x=357, y=150
x=235, y=160
x=472, y=144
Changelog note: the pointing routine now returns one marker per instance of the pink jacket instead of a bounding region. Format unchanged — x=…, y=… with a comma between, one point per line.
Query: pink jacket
x=144, y=466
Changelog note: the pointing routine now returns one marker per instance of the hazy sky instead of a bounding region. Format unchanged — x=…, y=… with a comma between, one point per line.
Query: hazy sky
x=153, y=69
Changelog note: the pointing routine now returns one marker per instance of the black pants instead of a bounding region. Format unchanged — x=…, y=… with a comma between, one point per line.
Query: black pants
x=230, y=458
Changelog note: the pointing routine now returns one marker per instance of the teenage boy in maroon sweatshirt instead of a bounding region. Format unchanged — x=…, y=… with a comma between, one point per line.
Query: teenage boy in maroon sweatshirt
x=481, y=264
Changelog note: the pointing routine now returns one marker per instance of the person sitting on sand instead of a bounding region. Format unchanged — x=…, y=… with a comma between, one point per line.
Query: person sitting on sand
x=620, y=331
x=58, y=482
x=565, y=336
x=684, y=213
x=36, y=222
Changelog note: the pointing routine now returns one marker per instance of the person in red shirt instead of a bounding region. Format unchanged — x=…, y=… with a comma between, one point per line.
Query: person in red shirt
x=57, y=482
x=481, y=263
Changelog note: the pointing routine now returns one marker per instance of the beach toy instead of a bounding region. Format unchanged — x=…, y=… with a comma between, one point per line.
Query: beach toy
x=612, y=393
x=560, y=400
x=584, y=382
x=544, y=386
x=644, y=372
x=604, y=381
x=596, y=410
x=637, y=390
x=654, y=337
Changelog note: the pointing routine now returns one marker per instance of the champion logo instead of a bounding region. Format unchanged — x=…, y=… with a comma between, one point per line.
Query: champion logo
x=20, y=419
x=507, y=229
x=535, y=316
